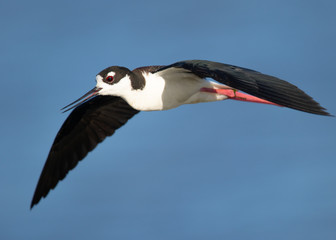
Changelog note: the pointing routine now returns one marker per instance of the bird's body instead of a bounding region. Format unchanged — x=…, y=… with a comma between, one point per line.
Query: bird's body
x=163, y=90
x=120, y=94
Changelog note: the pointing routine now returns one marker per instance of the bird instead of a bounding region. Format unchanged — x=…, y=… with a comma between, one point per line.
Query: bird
x=121, y=93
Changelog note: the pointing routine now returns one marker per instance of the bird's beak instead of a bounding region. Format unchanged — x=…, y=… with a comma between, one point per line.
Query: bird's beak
x=90, y=94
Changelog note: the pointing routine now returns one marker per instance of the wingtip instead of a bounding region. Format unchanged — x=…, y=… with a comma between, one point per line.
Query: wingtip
x=38, y=195
x=329, y=115
x=32, y=205
x=322, y=111
x=34, y=202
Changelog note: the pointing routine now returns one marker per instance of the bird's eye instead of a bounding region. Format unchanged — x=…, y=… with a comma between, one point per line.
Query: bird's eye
x=109, y=79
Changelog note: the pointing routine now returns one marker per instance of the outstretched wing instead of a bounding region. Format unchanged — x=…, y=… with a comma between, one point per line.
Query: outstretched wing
x=255, y=83
x=86, y=126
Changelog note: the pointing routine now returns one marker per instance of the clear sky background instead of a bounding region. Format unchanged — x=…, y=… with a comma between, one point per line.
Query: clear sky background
x=224, y=170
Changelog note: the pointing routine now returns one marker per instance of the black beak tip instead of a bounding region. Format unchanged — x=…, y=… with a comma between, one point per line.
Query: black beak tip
x=87, y=96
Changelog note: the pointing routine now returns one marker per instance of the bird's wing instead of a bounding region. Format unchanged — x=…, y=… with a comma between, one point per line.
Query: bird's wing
x=86, y=126
x=252, y=82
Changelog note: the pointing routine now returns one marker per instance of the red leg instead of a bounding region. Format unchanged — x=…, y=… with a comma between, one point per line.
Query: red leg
x=235, y=95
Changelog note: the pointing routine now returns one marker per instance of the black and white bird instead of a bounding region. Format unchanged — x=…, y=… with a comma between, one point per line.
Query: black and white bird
x=121, y=93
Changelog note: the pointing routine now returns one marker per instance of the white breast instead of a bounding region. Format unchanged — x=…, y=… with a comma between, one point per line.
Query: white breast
x=150, y=97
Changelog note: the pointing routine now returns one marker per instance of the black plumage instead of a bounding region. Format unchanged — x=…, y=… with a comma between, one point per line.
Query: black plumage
x=255, y=83
x=86, y=126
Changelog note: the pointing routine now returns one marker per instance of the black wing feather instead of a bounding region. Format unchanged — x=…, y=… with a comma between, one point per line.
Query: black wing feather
x=255, y=83
x=86, y=126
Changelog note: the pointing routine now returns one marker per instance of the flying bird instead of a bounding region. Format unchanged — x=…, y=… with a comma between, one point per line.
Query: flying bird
x=120, y=93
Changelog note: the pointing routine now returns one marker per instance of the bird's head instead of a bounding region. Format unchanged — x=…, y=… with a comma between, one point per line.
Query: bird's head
x=112, y=81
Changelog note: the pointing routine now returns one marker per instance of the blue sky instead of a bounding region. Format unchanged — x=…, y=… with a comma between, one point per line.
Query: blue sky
x=224, y=170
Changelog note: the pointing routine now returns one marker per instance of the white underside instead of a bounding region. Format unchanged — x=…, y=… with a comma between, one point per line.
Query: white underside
x=171, y=88
x=164, y=90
